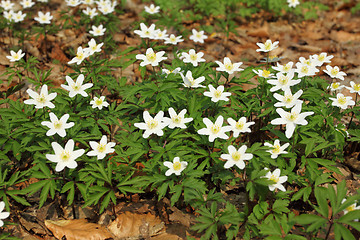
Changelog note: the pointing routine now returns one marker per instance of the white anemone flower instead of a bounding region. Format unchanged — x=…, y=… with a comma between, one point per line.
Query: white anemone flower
x=304, y=69
x=15, y=56
x=267, y=46
x=77, y=87
x=335, y=86
x=152, y=9
x=18, y=16
x=291, y=119
x=175, y=167
x=27, y=3
x=7, y=5
x=215, y=130
x=91, y=12
x=342, y=102
x=283, y=82
x=93, y=47
x=81, y=54
x=97, y=31
x=99, y=102
x=193, y=57
x=102, y=148
x=152, y=125
x=167, y=71
x=355, y=87
x=334, y=72
x=236, y=157
x=228, y=66
x=41, y=100
x=293, y=3
x=240, y=126
x=65, y=157
x=151, y=57
x=276, y=148
x=72, y=3
x=160, y=35
x=146, y=32
x=173, y=39
x=190, y=82
x=3, y=215
x=198, y=36
x=275, y=177
x=284, y=68
x=288, y=100
x=350, y=208
x=43, y=18
x=177, y=120
x=57, y=125
x=217, y=94
x=322, y=58
x=263, y=73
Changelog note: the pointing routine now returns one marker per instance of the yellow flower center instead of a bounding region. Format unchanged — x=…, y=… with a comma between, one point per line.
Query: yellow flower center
x=239, y=125
x=266, y=73
x=152, y=124
x=76, y=87
x=321, y=57
x=283, y=80
x=288, y=98
x=191, y=80
x=41, y=99
x=176, y=119
x=308, y=62
x=215, y=129
x=229, y=66
x=357, y=87
x=177, y=166
x=94, y=47
x=98, y=101
x=335, y=85
x=193, y=57
x=80, y=55
x=350, y=208
x=274, y=178
x=217, y=93
x=44, y=18
x=334, y=71
x=65, y=156
x=342, y=100
x=98, y=31
x=198, y=35
x=292, y=117
x=16, y=56
x=236, y=156
x=276, y=148
x=267, y=46
x=272, y=57
x=57, y=124
x=101, y=148
x=305, y=69
x=151, y=57
x=286, y=68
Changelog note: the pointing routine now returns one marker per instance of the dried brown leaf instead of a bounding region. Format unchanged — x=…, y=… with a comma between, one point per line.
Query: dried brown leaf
x=77, y=229
x=132, y=225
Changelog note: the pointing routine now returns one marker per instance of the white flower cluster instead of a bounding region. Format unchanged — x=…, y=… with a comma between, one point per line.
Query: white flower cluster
x=158, y=34
x=65, y=157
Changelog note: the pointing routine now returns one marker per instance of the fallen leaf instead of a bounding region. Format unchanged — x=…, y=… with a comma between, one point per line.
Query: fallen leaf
x=77, y=229
x=132, y=225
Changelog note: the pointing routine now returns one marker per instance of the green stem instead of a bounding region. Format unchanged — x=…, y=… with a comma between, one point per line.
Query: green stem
x=353, y=112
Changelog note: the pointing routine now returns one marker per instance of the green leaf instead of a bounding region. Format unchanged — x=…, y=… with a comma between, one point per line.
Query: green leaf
x=320, y=194
x=342, y=232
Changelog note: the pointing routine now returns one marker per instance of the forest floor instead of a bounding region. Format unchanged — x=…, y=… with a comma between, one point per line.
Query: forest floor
x=335, y=32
